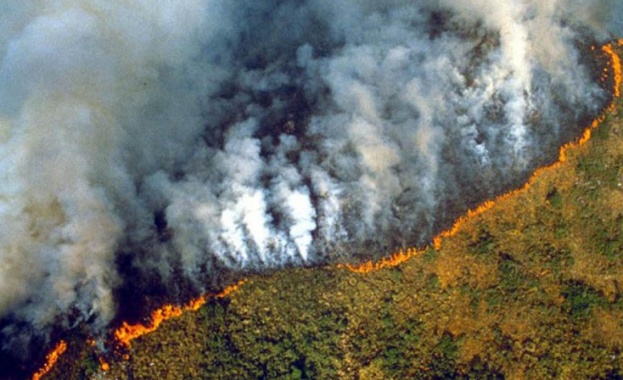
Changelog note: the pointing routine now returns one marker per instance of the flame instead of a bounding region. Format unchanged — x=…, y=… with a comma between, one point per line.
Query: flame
x=404, y=255
x=387, y=262
x=616, y=66
x=50, y=360
x=125, y=334
x=104, y=364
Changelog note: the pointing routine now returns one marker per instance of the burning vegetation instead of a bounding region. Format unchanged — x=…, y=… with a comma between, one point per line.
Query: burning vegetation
x=514, y=289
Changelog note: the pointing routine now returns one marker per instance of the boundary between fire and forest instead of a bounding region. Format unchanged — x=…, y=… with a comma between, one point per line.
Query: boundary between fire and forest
x=126, y=333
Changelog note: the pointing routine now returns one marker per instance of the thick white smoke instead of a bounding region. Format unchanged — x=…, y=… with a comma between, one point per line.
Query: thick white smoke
x=200, y=135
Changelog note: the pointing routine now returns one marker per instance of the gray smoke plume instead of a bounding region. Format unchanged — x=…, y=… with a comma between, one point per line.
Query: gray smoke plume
x=194, y=136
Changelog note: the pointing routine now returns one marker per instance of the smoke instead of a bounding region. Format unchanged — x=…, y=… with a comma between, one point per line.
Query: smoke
x=176, y=140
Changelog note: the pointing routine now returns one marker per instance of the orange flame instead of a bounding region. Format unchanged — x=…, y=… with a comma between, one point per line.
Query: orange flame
x=404, y=255
x=616, y=66
x=104, y=364
x=387, y=262
x=50, y=360
x=125, y=334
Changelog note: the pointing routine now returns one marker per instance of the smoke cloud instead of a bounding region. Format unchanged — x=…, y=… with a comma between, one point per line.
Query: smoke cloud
x=177, y=140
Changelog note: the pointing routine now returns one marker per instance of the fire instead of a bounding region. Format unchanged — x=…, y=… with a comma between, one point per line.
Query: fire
x=387, y=262
x=125, y=334
x=50, y=360
x=103, y=364
x=404, y=255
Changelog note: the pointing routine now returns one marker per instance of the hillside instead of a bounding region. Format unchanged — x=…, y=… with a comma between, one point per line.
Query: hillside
x=529, y=288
